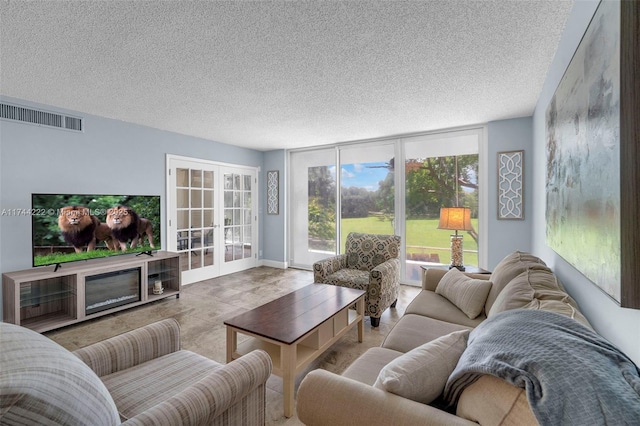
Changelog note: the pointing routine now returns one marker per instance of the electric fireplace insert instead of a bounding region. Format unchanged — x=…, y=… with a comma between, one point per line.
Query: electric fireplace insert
x=112, y=289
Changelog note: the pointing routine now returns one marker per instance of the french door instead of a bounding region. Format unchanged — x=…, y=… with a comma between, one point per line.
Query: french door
x=212, y=222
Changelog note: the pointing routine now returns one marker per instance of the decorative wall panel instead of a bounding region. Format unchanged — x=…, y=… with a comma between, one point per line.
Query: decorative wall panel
x=511, y=185
x=273, y=192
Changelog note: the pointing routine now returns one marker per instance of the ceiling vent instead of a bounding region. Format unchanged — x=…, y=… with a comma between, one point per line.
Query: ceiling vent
x=42, y=118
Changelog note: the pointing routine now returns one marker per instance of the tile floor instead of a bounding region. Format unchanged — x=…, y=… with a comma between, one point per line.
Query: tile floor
x=203, y=306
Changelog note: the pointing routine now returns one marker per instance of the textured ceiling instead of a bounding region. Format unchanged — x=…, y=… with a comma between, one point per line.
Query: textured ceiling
x=282, y=74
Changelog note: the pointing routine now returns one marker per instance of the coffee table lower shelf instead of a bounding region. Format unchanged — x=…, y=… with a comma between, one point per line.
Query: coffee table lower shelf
x=289, y=359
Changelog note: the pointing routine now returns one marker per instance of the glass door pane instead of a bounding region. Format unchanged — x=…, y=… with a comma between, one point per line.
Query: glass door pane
x=194, y=222
x=237, y=214
x=313, y=206
x=367, y=200
x=239, y=219
x=440, y=171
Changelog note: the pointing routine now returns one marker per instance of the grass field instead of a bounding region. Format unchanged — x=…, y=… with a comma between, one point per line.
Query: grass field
x=53, y=258
x=423, y=236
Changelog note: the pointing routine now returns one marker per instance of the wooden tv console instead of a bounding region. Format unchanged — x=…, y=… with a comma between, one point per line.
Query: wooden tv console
x=43, y=299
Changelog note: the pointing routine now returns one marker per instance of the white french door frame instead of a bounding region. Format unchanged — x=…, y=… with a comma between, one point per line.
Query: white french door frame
x=220, y=266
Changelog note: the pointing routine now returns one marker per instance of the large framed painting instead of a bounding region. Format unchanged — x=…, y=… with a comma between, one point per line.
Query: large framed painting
x=589, y=133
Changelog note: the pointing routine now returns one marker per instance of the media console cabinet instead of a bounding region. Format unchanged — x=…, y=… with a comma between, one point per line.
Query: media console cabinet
x=43, y=299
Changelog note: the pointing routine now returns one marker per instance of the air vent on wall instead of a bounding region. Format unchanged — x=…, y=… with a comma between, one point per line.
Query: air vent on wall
x=43, y=118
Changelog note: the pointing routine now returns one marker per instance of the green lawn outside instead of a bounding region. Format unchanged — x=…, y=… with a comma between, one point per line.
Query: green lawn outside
x=421, y=233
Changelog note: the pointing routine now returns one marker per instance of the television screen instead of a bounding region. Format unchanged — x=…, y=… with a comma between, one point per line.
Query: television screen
x=70, y=227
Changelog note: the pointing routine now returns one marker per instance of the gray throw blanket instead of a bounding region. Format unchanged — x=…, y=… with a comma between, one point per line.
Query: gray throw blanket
x=572, y=376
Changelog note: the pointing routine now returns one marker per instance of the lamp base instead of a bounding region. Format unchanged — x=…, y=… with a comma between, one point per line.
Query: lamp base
x=456, y=252
x=460, y=268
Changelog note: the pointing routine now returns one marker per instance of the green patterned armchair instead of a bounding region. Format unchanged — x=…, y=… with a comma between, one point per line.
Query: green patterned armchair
x=370, y=263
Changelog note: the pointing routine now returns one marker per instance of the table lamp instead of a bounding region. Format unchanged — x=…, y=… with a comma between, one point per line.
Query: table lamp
x=458, y=219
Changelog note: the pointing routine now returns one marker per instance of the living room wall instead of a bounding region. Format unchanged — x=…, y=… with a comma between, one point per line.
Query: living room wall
x=619, y=325
x=507, y=236
x=274, y=226
x=109, y=156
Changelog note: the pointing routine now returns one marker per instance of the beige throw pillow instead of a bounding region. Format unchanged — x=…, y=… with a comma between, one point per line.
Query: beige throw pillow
x=422, y=373
x=468, y=294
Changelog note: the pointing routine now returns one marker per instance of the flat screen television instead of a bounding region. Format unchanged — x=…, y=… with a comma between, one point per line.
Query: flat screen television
x=72, y=227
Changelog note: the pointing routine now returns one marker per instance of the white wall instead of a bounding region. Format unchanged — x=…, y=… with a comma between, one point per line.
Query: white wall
x=620, y=326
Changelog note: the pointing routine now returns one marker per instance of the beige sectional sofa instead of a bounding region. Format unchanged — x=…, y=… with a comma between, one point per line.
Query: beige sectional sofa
x=435, y=325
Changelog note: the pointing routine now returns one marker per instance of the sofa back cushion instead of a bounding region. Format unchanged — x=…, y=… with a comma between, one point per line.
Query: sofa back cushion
x=536, y=289
x=366, y=251
x=509, y=268
x=43, y=383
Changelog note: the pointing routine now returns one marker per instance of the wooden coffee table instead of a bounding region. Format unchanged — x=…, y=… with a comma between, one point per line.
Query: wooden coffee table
x=296, y=328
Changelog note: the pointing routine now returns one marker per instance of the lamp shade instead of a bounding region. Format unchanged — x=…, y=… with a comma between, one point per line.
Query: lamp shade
x=455, y=218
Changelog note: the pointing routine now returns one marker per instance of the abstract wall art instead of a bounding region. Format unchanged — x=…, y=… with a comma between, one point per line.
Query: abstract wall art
x=583, y=156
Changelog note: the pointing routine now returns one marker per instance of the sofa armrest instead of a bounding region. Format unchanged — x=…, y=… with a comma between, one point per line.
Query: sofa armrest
x=322, y=400
x=432, y=276
x=326, y=267
x=132, y=348
x=242, y=381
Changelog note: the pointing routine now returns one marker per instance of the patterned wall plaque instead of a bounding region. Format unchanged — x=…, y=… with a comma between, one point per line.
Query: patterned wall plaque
x=511, y=185
x=273, y=196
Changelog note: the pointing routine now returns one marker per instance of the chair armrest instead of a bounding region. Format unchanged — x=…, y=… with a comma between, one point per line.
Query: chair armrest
x=323, y=268
x=384, y=278
x=132, y=348
x=322, y=400
x=432, y=276
x=241, y=381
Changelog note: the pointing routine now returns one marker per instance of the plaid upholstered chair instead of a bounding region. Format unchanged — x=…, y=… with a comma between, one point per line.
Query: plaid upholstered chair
x=141, y=377
x=370, y=262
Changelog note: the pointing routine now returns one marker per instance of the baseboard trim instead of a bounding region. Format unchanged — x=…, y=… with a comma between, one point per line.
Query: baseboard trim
x=274, y=264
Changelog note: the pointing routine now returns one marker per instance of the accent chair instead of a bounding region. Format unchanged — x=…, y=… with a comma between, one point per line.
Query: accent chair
x=137, y=378
x=370, y=262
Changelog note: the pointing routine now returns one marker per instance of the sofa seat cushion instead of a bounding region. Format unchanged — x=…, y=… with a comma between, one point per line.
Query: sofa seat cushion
x=365, y=368
x=421, y=374
x=40, y=382
x=492, y=401
x=139, y=388
x=413, y=330
x=352, y=278
x=430, y=304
